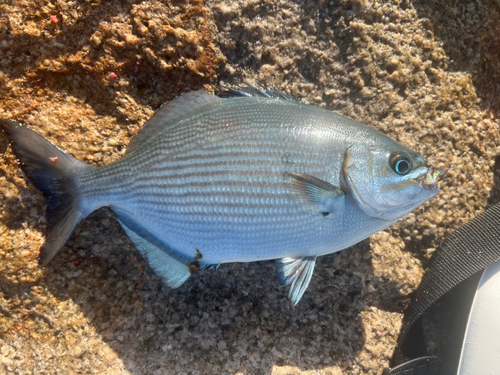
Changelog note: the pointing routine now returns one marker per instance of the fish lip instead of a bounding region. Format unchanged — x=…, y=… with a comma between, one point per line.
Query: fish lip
x=429, y=179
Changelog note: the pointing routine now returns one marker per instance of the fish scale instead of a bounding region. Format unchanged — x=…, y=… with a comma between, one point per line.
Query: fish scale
x=202, y=182
x=254, y=177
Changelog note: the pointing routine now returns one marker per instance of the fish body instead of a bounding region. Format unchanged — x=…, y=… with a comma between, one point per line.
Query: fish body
x=258, y=176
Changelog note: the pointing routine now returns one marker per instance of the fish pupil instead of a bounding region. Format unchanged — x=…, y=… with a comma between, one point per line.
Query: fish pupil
x=402, y=166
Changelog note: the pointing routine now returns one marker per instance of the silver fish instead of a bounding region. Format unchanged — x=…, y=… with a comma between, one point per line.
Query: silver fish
x=255, y=176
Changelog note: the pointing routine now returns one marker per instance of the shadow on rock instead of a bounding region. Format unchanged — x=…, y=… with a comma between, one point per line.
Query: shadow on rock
x=471, y=38
x=495, y=191
x=97, y=51
x=237, y=317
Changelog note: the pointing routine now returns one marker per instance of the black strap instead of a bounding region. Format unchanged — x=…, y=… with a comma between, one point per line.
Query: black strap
x=469, y=249
x=428, y=365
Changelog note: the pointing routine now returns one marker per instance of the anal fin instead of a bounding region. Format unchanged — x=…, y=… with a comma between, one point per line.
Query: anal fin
x=170, y=266
x=298, y=272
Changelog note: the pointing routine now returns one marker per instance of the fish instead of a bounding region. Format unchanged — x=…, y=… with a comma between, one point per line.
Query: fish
x=251, y=174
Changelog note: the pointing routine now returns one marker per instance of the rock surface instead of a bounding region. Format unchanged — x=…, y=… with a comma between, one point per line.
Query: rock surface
x=88, y=74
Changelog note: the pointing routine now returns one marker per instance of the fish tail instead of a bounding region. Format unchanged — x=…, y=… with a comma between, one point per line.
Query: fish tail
x=53, y=172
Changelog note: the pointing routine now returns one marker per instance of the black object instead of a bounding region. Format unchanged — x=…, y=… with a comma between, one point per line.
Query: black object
x=466, y=252
x=428, y=365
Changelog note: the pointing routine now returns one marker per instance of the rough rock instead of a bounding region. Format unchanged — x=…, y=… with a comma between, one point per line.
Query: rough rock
x=88, y=74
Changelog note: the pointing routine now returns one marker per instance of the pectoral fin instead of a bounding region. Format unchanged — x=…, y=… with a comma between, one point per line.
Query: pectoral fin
x=170, y=266
x=314, y=192
x=298, y=272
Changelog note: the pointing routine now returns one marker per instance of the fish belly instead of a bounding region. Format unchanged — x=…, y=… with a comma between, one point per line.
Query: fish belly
x=240, y=232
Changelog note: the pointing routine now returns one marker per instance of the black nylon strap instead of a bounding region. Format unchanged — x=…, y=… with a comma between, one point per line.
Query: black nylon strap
x=418, y=366
x=469, y=249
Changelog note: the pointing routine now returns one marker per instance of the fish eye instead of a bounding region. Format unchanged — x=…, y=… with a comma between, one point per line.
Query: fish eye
x=401, y=163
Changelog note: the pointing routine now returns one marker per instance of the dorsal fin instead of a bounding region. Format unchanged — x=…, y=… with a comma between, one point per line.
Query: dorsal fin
x=248, y=90
x=175, y=108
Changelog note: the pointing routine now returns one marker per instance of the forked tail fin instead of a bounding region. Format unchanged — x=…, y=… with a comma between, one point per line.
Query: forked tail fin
x=53, y=172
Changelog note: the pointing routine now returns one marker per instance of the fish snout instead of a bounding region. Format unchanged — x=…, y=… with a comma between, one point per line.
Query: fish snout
x=430, y=179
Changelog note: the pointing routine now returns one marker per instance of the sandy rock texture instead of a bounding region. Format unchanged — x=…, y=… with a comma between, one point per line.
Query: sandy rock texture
x=88, y=74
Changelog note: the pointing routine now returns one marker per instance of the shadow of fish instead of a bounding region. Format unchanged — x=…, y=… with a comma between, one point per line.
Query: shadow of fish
x=254, y=176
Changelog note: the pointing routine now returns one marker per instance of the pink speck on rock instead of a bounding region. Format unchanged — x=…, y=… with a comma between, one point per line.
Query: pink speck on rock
x=53, y=18
x=113, y=75
x=53, y=159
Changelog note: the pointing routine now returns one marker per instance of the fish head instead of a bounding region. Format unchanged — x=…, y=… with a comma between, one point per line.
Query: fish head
x=388, y=182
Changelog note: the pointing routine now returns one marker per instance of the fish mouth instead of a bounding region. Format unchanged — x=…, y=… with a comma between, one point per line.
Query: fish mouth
x=429, y=180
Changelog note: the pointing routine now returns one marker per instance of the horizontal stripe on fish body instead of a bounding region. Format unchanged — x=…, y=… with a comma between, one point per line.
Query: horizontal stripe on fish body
x=208, y=129
x=209, y=181
x=230, y=178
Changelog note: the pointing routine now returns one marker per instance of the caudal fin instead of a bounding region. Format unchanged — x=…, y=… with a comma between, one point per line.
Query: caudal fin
x=52, y=171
